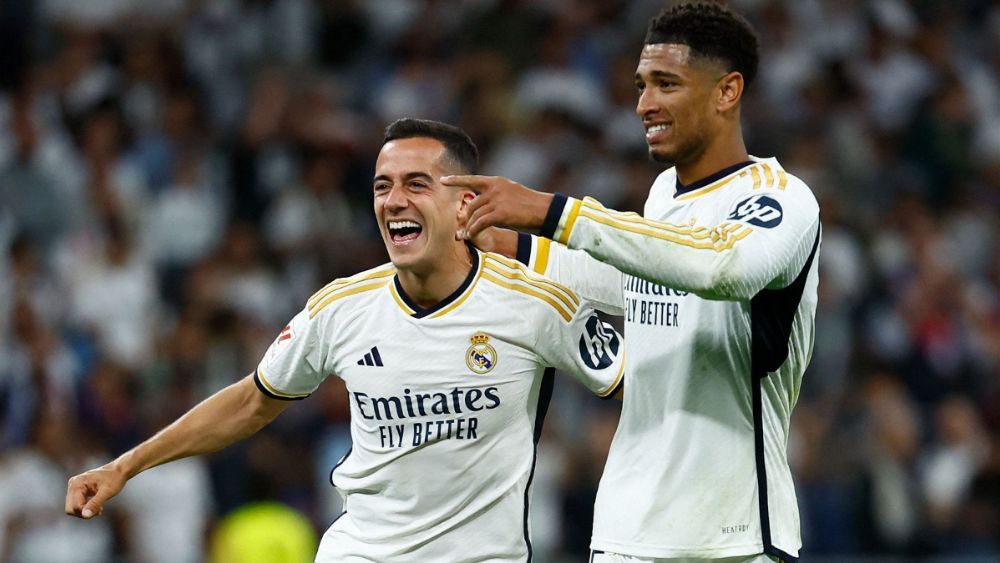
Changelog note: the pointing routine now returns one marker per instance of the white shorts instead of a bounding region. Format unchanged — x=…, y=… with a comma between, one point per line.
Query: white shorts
x=606, y=557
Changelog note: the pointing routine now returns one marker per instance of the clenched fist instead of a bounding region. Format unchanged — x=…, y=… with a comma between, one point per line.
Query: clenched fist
x=87, y=492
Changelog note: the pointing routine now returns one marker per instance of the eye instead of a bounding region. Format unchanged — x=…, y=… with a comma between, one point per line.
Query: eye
x=418, y=184
x=664, y=84
x=640, y=86
x=381, y=187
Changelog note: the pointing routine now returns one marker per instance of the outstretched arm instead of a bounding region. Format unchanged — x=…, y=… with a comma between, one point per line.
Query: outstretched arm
x=234, y=413
x=758, y=246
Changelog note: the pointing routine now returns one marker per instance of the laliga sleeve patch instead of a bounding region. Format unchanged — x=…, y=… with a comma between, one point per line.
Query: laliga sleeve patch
x=599, y=344
x=758, y=210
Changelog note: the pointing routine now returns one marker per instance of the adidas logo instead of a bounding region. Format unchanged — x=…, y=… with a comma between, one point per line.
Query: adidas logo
x=371, y=358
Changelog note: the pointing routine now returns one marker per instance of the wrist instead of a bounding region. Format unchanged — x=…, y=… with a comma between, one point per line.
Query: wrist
x=505, y=243
x=124, y=465
x=554, y=211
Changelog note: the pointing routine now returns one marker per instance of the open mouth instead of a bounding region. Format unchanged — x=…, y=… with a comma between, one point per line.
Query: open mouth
x=404, y=231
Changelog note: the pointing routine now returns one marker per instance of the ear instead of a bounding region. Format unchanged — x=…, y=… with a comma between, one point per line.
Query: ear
x=465, y=197
x=729, y=92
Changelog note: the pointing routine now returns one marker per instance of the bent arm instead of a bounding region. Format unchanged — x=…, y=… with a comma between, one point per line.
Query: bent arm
x=230, y=415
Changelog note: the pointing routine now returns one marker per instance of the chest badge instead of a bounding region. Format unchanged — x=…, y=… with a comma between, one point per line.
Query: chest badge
x=481, y=357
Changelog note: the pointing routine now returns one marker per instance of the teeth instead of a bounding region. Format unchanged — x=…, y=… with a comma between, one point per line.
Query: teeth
x=403, y=224
x=657, y=128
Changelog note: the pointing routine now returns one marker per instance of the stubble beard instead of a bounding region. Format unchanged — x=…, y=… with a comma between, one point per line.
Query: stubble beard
x=687, y=152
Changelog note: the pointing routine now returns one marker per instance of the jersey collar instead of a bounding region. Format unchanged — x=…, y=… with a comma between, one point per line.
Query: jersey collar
x=681, y=189
x=448, y=303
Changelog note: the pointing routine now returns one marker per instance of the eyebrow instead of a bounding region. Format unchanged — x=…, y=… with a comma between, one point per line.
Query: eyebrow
x=406, y=177
x=657, y=74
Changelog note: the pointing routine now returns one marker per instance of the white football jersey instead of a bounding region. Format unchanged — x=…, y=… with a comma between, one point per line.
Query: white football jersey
x=717, y=284
x=446, y=404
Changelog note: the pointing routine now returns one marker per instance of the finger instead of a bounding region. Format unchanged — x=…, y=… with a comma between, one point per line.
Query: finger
x=95, y=505
x=75, y=499
x=476, y=203
x=473, y=182
x=478, y=223
x=473, y=216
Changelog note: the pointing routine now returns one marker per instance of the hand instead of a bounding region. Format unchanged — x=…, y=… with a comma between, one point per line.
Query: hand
x=494, y=239
x=87, y=492
x=501, y=203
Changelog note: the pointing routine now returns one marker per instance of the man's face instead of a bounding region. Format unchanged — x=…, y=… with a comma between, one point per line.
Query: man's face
x=675, y=102
x=416, y=215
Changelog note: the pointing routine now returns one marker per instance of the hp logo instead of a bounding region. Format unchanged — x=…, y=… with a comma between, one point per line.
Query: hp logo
x=599, y=345
x=758, y=210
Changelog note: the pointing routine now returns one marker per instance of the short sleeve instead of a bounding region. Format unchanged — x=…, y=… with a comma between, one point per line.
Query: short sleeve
x=586, y=347
x=291, y=369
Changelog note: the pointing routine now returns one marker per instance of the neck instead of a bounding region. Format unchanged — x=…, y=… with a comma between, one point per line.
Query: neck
x=724, y=151
x=429, y=287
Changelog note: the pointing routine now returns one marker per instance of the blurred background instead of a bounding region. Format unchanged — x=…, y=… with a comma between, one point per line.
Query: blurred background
x=178, y=176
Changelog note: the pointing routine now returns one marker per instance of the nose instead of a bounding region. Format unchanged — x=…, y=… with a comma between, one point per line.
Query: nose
x=647, y=103
x=396, y=200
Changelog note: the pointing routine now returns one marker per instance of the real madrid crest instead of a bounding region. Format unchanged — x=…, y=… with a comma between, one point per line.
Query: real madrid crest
x=481, y=357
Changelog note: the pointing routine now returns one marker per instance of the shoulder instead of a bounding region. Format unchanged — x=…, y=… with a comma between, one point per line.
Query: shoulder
x=349, y=288
x=766, y=185
x=768, y=175
x=516, y=281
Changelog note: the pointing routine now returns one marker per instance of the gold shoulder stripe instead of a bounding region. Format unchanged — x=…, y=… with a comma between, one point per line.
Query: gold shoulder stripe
x=267, y=385
x=621, y=372
x=526, y=281
x=528, y=291
x=516, y=270
x=382, y=272
x=782, y=179
x=647, y=231
x=756, y=177
x=347, y=291
x=768, y=177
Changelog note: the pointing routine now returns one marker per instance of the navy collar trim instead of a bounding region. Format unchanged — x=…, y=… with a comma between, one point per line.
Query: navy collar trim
x=420, y=312
x=681, y=189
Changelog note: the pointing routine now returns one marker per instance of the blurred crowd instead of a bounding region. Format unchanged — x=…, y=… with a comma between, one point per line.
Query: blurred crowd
x=177, y=177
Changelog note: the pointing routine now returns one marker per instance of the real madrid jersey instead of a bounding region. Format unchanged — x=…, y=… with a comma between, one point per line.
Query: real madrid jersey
x=717, y=284
x=446, y=404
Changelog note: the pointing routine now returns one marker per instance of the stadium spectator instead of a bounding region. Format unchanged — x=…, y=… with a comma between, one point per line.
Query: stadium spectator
x=889, y=110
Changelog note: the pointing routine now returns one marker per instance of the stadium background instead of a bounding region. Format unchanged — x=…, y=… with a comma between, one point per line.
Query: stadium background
x=176, y=177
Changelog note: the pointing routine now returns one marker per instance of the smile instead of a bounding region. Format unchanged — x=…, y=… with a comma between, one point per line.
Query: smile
x=654, y=132
x=403, y=231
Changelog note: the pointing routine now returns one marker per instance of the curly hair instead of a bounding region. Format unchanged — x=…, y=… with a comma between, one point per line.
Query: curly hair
x=711, y=31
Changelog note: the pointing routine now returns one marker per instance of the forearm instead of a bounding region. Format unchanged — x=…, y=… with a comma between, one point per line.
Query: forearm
x=232, y=414
x=727, y=261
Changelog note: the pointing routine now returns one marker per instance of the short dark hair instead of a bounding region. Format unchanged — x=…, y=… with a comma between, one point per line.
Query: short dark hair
x=457, y=144
x=710, y=30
